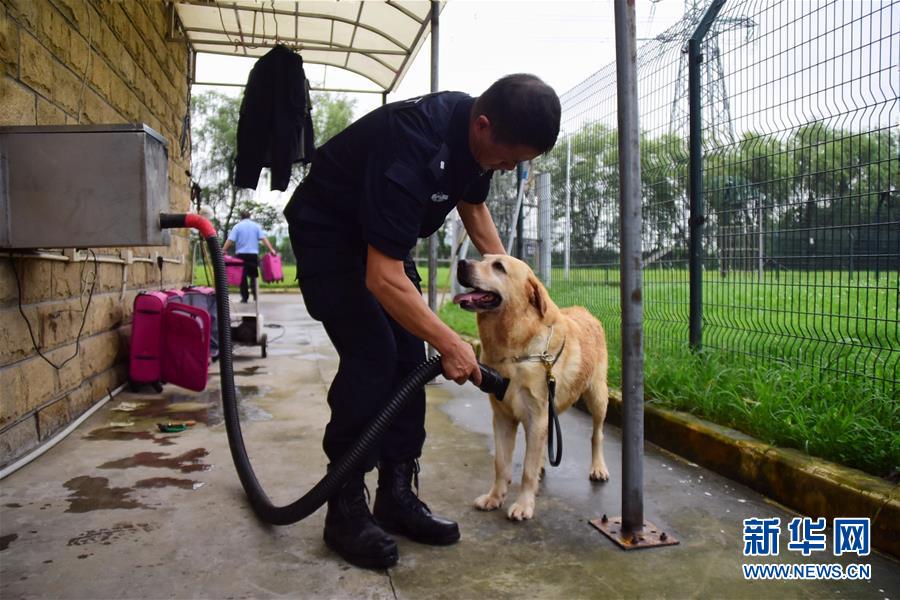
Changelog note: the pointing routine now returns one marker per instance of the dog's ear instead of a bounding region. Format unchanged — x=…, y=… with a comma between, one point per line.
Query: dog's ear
x=537, y=296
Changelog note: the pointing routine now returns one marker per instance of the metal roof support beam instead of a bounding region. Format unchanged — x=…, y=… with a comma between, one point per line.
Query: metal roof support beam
x=433, y=241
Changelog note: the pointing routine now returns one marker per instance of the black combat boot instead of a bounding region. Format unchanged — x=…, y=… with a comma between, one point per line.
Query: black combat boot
x=351, y=531
x=399, y=510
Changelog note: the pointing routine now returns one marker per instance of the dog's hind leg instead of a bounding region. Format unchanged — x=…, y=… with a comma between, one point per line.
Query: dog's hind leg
x=504, y=443
x=597, y=398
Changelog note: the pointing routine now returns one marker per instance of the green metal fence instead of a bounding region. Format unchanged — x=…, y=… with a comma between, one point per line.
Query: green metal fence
x=799, y=229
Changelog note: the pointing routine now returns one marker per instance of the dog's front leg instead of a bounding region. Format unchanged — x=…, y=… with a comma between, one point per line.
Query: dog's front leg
x=535, y=440
x=504, y=443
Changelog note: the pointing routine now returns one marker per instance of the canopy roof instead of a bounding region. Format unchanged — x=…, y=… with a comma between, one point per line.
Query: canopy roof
x=376, y=39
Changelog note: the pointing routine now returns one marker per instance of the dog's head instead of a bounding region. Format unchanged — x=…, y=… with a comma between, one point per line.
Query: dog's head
x=500, y=283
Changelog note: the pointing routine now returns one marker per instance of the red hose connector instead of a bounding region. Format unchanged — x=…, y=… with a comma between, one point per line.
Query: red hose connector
x=195, y=221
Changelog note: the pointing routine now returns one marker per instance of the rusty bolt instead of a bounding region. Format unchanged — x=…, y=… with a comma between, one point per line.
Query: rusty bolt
x=604, y=518
x=663, y=537
x=634, y=539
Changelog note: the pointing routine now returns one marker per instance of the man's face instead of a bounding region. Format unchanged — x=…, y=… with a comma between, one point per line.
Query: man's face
x=492, y=155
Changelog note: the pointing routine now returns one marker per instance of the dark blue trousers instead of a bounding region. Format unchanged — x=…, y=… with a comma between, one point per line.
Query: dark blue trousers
x=376, y=353
x=251, y=272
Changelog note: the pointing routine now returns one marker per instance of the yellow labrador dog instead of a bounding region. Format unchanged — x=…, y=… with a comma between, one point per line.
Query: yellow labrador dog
x=519, y=324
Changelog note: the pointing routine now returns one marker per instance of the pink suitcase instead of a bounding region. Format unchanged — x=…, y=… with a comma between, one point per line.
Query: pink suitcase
x=234, y=267
x=145, y=363
x=271, y=268
x=205, y=298
x=174, y=295
x=185, y=346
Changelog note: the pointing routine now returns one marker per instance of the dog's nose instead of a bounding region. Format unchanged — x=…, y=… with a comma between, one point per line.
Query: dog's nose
x=462, y=272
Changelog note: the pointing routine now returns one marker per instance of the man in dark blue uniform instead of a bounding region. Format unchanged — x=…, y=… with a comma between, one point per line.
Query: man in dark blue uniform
x=372, y=191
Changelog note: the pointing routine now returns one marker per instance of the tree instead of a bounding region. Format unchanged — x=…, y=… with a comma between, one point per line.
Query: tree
x=214, y=140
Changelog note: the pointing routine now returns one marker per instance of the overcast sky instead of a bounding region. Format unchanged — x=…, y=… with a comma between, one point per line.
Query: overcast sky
x=561, y=41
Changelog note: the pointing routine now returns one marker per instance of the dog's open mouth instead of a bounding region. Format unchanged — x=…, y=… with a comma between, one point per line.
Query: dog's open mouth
x=477, y=300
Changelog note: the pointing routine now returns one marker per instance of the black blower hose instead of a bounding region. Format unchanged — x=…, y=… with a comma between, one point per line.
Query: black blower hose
x=341, y=470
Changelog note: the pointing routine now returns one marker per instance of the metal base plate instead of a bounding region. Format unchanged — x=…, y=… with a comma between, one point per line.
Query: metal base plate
x=650, y=537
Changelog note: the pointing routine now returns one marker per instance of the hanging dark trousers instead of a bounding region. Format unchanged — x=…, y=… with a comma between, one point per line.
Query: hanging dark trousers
x=399, y=510
x=351, y=531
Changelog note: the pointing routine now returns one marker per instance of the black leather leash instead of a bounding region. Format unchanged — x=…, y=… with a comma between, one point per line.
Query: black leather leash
x=553, y=418
x=553, y=426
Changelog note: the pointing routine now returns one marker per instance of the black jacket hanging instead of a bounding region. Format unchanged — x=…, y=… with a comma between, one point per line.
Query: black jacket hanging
x=275, y=127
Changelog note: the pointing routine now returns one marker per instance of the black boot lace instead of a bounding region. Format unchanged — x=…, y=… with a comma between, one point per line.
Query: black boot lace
x=410, y=498
x=357, y=504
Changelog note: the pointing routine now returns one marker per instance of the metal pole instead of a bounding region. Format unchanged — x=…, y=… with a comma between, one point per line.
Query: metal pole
x=695, y=175
x=630, y=271
x=522, y=174
x=515, y=227
x=568, y=232
x=545, y=226
x=433, y=240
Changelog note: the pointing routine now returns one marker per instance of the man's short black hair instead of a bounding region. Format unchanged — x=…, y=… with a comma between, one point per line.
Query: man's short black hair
x=245, y=214
x=523, y=110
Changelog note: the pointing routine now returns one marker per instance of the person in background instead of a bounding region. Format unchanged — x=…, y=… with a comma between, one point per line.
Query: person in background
x=245, y=237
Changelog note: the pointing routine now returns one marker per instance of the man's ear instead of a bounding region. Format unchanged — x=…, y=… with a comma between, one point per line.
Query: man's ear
x=537, y=296
x=482, y=123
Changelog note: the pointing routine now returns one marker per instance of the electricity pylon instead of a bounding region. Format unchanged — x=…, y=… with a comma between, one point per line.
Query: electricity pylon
x=716, y=106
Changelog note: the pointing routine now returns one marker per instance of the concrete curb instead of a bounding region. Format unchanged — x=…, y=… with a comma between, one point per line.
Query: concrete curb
x=809, y=485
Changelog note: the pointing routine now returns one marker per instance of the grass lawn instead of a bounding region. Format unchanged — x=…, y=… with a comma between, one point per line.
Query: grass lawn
x=289, y=272
x=805, y=360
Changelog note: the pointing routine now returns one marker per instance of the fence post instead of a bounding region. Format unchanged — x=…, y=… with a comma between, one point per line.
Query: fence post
x=695, y=173
x=545, y=226
x=631, y=531
x=515, y=227
x=631, y=284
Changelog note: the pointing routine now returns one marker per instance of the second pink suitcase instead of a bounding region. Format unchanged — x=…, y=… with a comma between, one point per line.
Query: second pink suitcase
x=271, y=268
x=234, y=267
x=145, y=360
x=185, y=346
x=205, y=298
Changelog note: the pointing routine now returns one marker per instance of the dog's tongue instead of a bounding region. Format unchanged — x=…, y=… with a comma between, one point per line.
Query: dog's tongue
x=470, y=297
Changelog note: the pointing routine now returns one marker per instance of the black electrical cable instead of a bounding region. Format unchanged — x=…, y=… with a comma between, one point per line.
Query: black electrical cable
x=341, y=470
x=12, y=263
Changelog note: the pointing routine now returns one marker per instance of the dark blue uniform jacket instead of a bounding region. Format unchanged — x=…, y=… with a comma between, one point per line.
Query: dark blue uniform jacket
x=387, y=180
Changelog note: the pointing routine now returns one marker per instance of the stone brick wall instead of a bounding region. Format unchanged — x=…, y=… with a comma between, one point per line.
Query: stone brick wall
x=83, y=62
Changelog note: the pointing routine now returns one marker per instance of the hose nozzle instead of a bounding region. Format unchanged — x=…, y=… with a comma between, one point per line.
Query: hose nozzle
x=492, y=382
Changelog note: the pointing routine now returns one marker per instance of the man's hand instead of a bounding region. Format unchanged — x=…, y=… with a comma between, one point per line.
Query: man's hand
x=273, y=252
x=459, y=363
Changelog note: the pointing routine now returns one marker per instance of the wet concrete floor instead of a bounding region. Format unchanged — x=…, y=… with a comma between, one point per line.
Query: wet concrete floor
x=120, y=509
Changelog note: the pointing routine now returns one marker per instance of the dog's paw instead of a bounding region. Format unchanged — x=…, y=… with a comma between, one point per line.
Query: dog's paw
x=488, y=502
x=521, y=510
x=599, y=474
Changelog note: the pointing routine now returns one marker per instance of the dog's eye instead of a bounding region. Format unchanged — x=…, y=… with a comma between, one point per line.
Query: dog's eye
x=498, y=266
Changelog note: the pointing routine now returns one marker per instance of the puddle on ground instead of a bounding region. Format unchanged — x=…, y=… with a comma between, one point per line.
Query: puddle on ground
x=6, y=540
x=93, y=493
x=107, y=536
x=205, y=407
x=160, y=482
x=119, y=434
x=186, y=463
